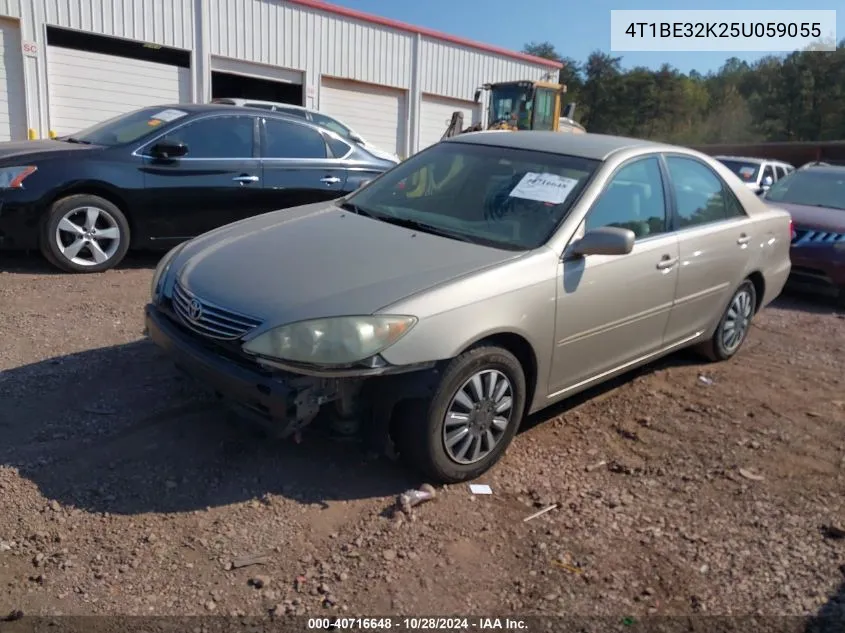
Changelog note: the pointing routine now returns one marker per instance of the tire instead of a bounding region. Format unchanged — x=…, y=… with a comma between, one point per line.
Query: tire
x=93, y=254
x=422, y=432
x=722, y=345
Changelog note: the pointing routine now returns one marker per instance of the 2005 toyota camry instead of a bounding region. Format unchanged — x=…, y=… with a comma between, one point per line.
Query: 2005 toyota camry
x=483, y=279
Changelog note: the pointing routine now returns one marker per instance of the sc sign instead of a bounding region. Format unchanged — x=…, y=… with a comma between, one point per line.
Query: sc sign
x=30, y=49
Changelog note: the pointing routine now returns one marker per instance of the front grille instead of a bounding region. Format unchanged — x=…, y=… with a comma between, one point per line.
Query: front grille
x=808, y=236
x=210, y=320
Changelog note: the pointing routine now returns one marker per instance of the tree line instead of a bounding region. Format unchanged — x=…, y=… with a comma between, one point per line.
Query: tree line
x=796, y=97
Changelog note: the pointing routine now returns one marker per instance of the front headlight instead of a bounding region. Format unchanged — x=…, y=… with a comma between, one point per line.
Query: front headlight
x=332, y=341
x=161, y=271
x=13, y=177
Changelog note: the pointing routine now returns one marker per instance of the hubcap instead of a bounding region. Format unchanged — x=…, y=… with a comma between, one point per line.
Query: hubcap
x=737, y=321
x=478, y=416
x=87, y=236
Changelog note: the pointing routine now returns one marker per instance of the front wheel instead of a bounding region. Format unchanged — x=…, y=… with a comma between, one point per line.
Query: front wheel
x=472, y=418
x=85, y=234
x=734, y=325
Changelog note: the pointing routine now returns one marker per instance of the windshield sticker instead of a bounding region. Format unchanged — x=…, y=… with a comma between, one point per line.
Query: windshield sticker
x=169, y=115
x=549, y=188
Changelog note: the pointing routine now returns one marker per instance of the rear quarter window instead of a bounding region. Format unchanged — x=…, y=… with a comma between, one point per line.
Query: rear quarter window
x=339, y=148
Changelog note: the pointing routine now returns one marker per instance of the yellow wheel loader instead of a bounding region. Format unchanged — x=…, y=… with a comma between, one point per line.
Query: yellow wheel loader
x=520, y=105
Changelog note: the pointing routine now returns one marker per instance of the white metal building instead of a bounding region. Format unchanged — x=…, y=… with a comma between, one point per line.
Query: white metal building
x=67, y=64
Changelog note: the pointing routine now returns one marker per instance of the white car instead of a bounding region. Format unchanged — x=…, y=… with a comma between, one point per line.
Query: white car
x=758, y=174
x=314, y=116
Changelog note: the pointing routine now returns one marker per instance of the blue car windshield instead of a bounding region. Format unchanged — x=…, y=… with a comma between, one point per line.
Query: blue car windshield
x=823, y=188
x=127, y=128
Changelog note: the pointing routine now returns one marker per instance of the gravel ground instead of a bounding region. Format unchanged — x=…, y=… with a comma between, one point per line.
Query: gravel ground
x=687, y=488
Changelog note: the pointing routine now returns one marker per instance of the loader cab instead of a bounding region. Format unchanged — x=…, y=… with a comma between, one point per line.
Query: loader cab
x=522, y=105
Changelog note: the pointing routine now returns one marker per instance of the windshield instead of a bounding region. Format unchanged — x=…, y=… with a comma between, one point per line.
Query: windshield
x=127, y=128
x=811, y=188
x=501, y=197
x=512, y=104
x=746, y=171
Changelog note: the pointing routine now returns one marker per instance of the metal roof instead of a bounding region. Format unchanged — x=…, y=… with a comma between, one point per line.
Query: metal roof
x=409, y=28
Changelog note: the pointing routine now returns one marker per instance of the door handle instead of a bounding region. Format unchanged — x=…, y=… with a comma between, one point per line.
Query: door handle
x=666, y=263
x=245, y=179
x=330, y=180
x=743, y=239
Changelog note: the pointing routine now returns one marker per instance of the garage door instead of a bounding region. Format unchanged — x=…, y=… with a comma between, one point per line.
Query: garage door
x=436, y=113
x=375, y=112
x=12, y=100
x=87, y=88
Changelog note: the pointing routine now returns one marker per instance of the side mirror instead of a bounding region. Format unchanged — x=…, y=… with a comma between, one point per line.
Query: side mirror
x=768, y=181
x=477, y=97
x=169, y=149
x=606, y=240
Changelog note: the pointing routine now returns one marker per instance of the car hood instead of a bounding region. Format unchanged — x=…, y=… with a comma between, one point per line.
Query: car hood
x=321, y=261
x=820, y=218
x=33, y=150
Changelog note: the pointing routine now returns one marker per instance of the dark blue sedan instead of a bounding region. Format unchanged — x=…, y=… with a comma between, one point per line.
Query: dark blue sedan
x=157, y=176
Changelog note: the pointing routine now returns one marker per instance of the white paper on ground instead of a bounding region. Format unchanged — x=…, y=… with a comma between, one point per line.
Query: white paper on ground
x=480, y=489
x=169, y=115
x=549, y=188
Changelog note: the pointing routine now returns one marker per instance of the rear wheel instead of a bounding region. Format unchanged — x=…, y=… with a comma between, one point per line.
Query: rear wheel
x=472, y=418
x=734, y=326
x=85, y=234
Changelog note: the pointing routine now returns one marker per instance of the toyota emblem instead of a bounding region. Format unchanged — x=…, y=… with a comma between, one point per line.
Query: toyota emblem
x=194, y=310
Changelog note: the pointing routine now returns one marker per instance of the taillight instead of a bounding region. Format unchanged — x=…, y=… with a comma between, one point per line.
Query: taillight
x=792, y=234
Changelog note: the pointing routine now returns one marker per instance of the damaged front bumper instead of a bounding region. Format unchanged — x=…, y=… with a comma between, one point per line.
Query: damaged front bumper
x=287, y=401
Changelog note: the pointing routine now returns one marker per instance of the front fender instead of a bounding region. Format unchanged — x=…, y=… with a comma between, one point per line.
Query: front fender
x=518, y=298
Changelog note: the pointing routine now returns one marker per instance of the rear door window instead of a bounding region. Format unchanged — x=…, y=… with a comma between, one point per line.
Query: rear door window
x=286, y=139
x=700, y=196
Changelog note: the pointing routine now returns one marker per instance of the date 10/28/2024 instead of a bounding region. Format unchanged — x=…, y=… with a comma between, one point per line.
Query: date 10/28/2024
x=416, y=624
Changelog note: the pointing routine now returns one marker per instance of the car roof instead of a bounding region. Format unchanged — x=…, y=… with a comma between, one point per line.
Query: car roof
x=192, y=108
x=838, y=170
x=594, y=146
x=747, y=159
x=278, y=104
x=199, y=108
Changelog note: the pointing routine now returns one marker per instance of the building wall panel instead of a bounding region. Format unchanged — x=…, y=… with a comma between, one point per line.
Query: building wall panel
x=274, y=32
x=10, y=8
x=165, y=22
x=455, y=71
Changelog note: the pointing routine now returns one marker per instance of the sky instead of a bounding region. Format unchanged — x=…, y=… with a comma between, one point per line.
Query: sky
x=513, y=23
